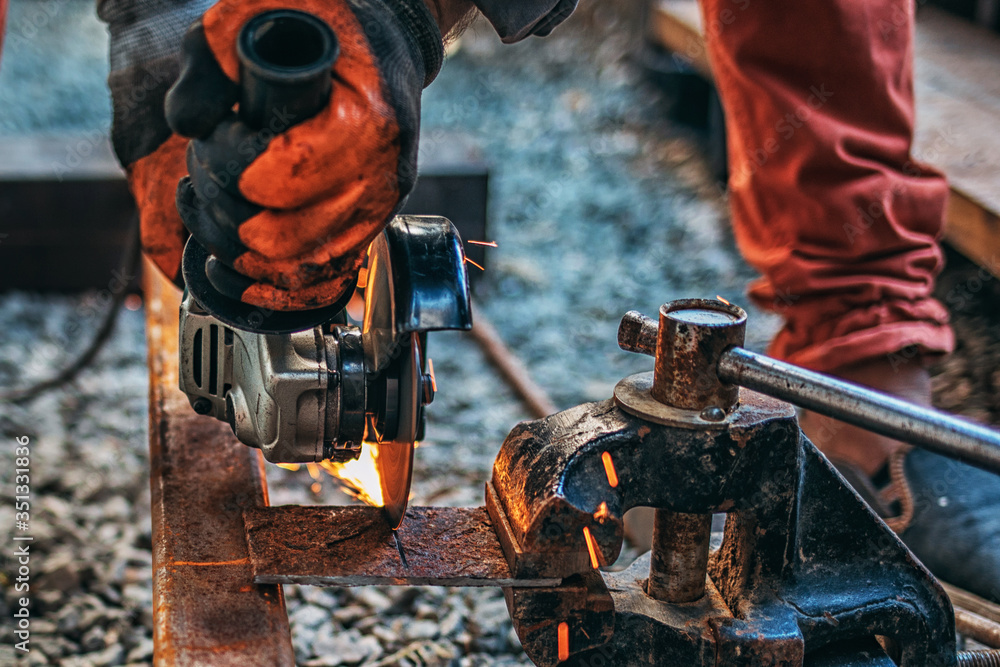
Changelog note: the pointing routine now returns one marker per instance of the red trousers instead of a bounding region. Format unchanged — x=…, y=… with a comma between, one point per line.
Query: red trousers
x=827, y=201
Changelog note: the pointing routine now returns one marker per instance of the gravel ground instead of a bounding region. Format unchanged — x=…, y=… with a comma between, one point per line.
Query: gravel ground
x=598, y=206
x=53, y=69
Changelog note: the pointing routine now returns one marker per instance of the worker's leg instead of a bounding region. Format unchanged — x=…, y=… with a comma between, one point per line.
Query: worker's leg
x=829, y=205
x=827, y=201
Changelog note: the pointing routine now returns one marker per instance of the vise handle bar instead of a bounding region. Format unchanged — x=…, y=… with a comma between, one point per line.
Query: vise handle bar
x=860, y=406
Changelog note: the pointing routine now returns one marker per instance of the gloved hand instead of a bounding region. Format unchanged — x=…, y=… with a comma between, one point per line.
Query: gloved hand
x=145, y=41
x=291, y=209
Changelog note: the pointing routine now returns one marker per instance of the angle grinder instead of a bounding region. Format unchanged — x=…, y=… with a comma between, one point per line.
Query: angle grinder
x=309, y=386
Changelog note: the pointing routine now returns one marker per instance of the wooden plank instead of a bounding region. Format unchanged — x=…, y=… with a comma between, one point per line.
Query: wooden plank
x=206, y=608
x=354, y=546
x=974, y=231
x=965, y=600
x=958, y=113
x=66, y=208
x=958, y=104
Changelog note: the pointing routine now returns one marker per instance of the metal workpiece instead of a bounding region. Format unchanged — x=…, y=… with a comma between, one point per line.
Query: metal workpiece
x=678, y=563
x=354, y=546
x=784, y=582
x=918, y=425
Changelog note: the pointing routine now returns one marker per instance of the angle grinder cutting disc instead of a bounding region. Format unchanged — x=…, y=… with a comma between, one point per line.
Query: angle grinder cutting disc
x=394, y=348
x=394, y=460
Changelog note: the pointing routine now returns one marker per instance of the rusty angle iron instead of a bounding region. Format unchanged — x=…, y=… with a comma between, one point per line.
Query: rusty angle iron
x=202, y=479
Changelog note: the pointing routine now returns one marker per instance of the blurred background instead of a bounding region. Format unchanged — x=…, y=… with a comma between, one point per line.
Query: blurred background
x=603, y=153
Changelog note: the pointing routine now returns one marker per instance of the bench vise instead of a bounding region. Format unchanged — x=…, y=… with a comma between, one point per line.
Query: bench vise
x=806, y=573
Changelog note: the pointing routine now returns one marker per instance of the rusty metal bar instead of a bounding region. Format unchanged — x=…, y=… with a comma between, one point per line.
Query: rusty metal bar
x=963, y=599
x=976, y=627
x=511, y=369
x=678, y=565
x=922, y=426
x=207, y=610
x=354, y=546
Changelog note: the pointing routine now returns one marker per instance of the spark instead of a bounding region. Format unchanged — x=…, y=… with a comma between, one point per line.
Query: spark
x=133, y=302
x=488, y=244
x=359, y=477
x=722, y=300
x=289, y=466
x=316, y=488
x=474, y=264
x=563, y=634
x=313, y=471
x=602, y=512
x=592, y=548
x=609, y=469
x=430, y=366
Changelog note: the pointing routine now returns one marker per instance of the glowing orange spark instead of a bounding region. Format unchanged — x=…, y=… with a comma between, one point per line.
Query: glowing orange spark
x=474, y=264
x=359, y=477
x=592, y=548
x=313, y=471
x=722, y=300
x=289, y=466
x=563, y=634
x=488, y=244
x=602, y=512
x=316, y=488
x=430, y=367
x=609, y=469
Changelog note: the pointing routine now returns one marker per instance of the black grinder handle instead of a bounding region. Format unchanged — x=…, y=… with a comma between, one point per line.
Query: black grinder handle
x=286, y=67
x=286, y=62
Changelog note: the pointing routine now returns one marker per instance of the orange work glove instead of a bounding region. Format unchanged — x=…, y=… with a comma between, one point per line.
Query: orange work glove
x=290, y=211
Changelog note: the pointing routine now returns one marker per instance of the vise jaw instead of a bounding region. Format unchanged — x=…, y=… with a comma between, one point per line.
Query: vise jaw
x=806, y=573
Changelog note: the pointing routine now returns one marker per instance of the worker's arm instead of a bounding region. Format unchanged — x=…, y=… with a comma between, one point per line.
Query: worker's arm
x=290, y=217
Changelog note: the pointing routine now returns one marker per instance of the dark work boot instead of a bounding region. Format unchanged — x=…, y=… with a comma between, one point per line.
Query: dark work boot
x=955, y=525
x=946, y=512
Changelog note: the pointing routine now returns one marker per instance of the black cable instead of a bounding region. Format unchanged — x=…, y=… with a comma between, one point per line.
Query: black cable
x=130, y=266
